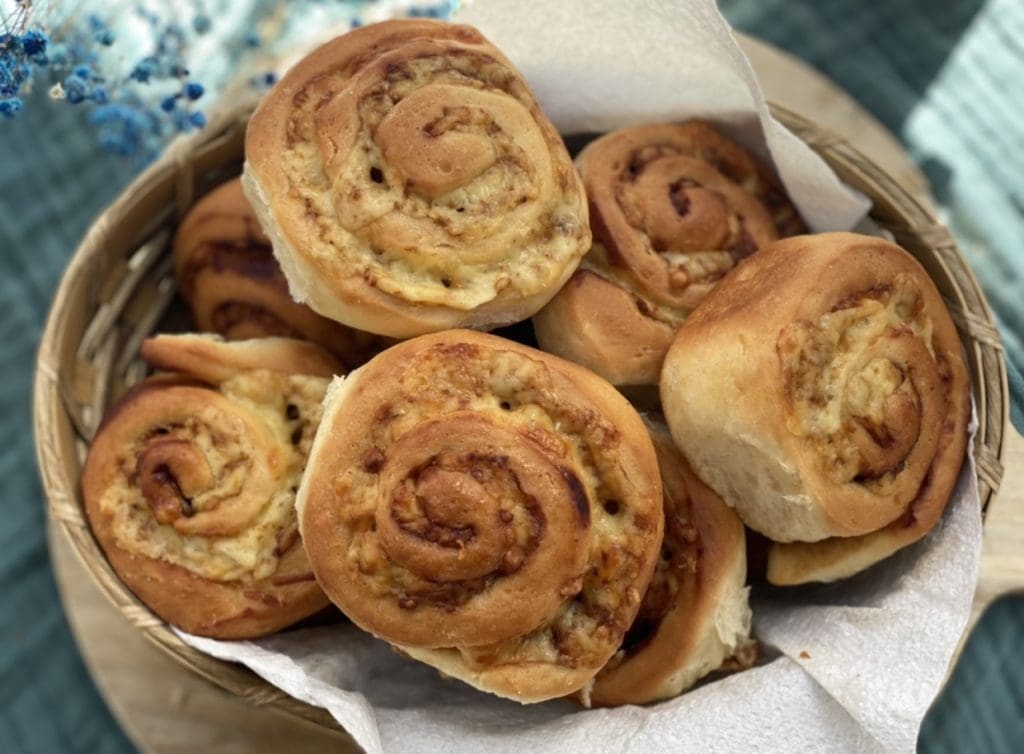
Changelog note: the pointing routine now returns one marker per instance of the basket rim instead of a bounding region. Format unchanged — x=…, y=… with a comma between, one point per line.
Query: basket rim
x=62, y=494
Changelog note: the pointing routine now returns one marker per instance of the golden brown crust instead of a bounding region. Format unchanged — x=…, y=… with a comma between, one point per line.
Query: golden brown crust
x=213, y=360
x=695, y=613
x=227, y=273
x=410, y=183
x=821, y=389
x=490, y=509
x=606, y=328
x=673, y=207
x=189, y=489
x=207, y=608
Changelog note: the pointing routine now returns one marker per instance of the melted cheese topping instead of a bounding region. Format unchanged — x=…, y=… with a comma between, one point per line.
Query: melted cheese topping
x=517, y=393
x=289, y=407
x=500, y=208
x=843, y=375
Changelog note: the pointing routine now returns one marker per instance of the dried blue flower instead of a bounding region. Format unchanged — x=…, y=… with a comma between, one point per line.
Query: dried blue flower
x=13, y=73
x=269, y=78
x=33, y=42
x=76, y=89
x=144, y=70
x=182, y=120
x=171, y=41
x=201, y=23
x=58, y=54
x=127, y=122
x=129, y=130
x=101, y=33
x=9, y=82
x=10, y=106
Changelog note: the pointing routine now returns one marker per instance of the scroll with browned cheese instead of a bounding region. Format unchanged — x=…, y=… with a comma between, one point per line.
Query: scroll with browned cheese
x=227, y=273
x=695, y=615
x=410, y=182
x=673, y=207
x=190, y=483
x=821, y=390
x=487, y=508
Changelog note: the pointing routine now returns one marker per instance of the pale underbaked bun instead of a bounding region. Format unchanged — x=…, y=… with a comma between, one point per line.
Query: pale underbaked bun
x=821, y=390
x=189, y=484
x=486, y=508
x=227, y=274
x=695, y=615
x=673, y=208
x=410, y=183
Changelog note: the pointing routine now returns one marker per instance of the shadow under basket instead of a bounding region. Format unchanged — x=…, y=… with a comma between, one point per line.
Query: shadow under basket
x=119, y=286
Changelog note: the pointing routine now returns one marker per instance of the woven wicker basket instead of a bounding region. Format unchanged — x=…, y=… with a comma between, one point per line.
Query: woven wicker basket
x=119, y=288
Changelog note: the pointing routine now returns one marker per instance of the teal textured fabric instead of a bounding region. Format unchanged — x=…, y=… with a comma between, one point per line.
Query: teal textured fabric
x=944, y=77
x=52, y=183
x=982, y=709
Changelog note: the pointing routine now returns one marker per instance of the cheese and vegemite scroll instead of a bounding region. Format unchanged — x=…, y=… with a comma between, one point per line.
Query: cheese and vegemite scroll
x=227, y=274
x=673, y=208
x=821, y=390
x=410, y=183
x=487, y=508
x=190, y=483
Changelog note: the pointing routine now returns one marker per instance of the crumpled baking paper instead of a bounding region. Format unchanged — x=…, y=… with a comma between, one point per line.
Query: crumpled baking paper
x=851, y=666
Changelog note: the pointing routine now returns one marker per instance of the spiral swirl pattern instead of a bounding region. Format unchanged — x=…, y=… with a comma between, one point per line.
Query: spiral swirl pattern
x=190, y=489
x=487, y=508
x=408, y=170
x=895, y=428
x=866, y=393
x=846, y=424
x=673, y=208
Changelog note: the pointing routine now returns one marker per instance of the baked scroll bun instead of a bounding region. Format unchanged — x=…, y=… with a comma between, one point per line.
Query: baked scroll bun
x=410, y=183
x=190, y=483
x=821, y=390
x=227, y=274
x=673, y=208
x=486, y=508
x=695, y=615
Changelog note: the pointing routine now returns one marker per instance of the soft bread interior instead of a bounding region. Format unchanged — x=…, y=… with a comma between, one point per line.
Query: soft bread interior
x=726, y=631
x=332, y=403
x=297, y=271
x=735, y=456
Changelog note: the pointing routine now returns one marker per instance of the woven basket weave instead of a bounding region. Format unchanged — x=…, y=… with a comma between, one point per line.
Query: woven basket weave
x=119, y=287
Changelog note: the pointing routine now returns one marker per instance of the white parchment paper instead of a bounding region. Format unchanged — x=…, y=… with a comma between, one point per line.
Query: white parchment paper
x=850, y=666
